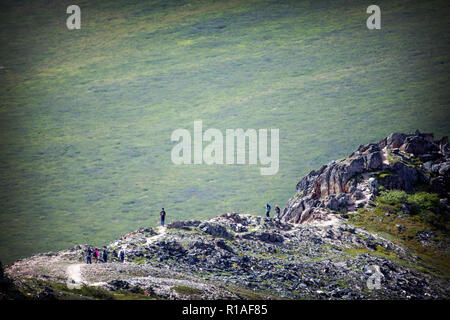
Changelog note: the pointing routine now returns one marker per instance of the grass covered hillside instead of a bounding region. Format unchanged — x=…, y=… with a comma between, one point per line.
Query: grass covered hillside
x=86, y=115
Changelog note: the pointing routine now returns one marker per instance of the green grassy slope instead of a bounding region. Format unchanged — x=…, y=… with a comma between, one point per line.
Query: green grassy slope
x=386, y=215
x=86, y=115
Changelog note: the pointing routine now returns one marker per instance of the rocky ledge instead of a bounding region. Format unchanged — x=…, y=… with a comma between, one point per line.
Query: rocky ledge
x=236, y=256
x=400, y=161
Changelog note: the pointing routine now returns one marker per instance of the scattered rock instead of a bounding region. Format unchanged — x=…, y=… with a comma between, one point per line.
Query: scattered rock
x=118, y=285
x=215, y=230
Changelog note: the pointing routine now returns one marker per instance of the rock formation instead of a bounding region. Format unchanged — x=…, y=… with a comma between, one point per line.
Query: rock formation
x=400, y=161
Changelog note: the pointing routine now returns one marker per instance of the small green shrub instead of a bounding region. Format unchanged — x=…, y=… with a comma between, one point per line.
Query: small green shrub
x=393, y=197
x=423, y=201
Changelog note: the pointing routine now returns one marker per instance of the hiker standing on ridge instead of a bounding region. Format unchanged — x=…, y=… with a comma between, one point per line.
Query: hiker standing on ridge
x=277, y=210
x=105, y=256
x=162, y=214
x=89, y=256
x=268, y=207
x=122, y=255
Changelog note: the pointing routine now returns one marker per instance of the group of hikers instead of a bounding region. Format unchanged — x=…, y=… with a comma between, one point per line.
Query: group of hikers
x=277, y=210
x=95, y=255
x=121, y=255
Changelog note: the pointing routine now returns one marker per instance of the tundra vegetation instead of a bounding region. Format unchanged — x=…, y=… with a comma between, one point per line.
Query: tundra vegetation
x=86, y=115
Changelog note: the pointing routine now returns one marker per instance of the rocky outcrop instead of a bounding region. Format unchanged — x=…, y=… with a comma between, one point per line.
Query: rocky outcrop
x=400, y=161
x=271, y=237
x=186, y=225
x=215, y=230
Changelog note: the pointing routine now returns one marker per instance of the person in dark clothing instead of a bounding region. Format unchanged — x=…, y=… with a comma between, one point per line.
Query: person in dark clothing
x=277, y=210
x=89, y=256
x=105, y=256
x=162, y=214
x=122, y=256
x=268, y=207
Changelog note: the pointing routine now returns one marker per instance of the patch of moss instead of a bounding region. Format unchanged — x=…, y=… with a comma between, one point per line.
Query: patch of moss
x=384, y=175
x=63, y=292
x=139, y=294
x=140, y=260
x=299, y=194
x=187, y=290
x=385, y=252
x=393, y=158
x=95, y=292
x=424, y=216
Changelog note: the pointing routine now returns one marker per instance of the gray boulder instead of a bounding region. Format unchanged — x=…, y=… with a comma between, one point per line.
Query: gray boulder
x=215, y=230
